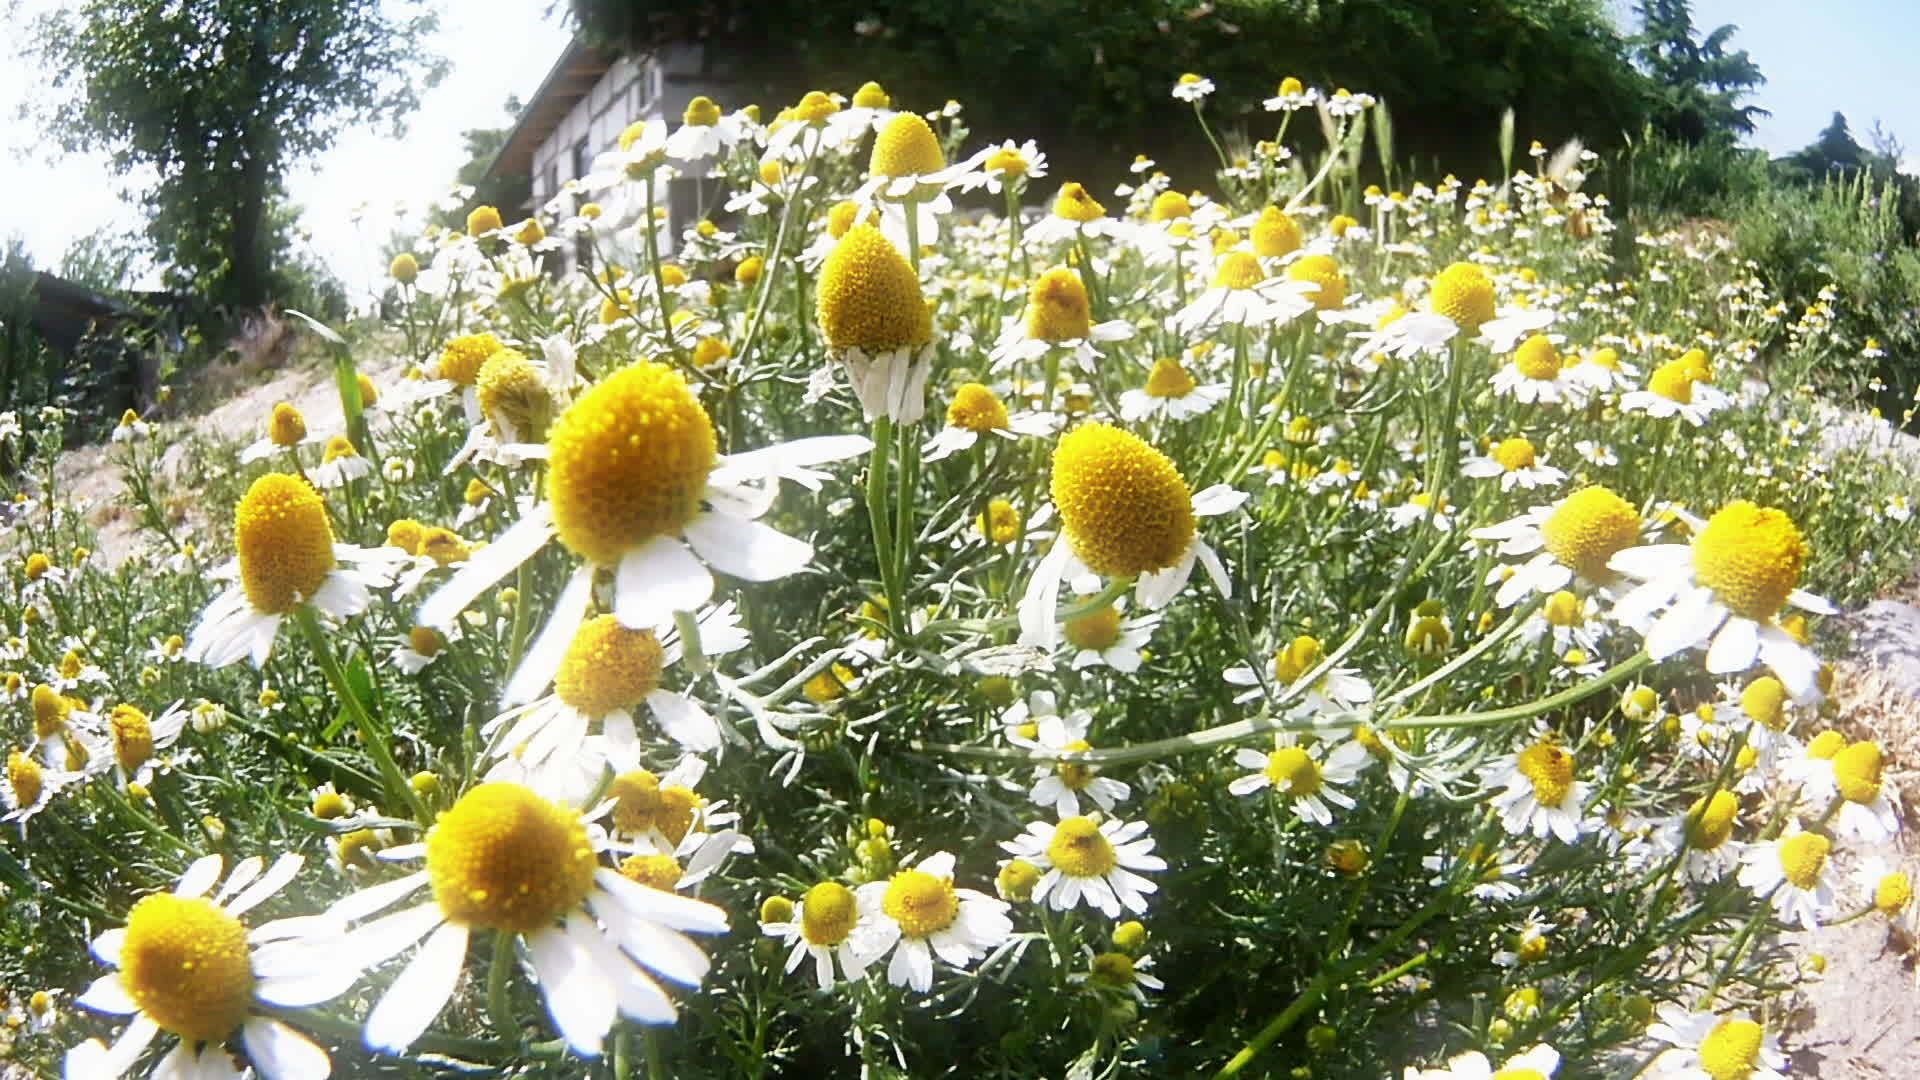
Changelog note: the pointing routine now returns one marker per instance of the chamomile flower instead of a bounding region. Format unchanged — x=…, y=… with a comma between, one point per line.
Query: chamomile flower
x=1676, y=389
x=826, y=926
x=27, y=786
x=131, y=428
x=1573, y=538
x=1058, y=315
x=704, y=134
x=1726, y=591
x=877, y=324
x=1710, y=1047
x=1510, y=326
x=1888, y=889
x=1192, y=88
x=1242, y=294
x=1089, y=860
x=1105, y=637
x=976, y=411
x=917, y=914
x=1170, y=392
x=1059, y=785
x=1008, y=166
x=1542, y=795
x=667, y=815
x=1541, y=1061
x=1116, y=971
x=1534, y=374
x=1865, y=812
x=422, y=646
x=1602, y=371
x=132, y=738
x=189, y=967
x=340, y=465
x=1516, y=463
x=505, y=860
x=1795, y=872
x=286, y=559
x=1704, y=833
x=1339, y=689
x=1125, y=512
x=286, y=429
x=1305, y=783
x=1291, y=96
x=908, y=173
x=635, y=486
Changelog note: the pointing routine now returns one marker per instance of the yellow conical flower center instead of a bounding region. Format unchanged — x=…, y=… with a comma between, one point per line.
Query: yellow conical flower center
x=405, y=534
x=1001, y=523
x=1321, y=270
x=1536, y=359
x=1007, y=162
x=1463, y=294
x=642, y=805
x=828, y=914
x=511, y=390
x=460, y=361
x=1892, y=893
x=1672, y=381
x=1514, y=454
x=404, y=268
x=1074, y=774
x=1564, y=609
x=23, y=775
x=37, y=565
x=906, y=147
x=1016, y=880
x=483, y=220
x=1122, y=502
x=1765, y=700
x=1856, y=772
x=1058, y=308
x=1694, y=362
x=1802, y=857
x=1169, y=206
x=1275, y=234
x=339, y=447
x=50, y=709
x=870, y=297
x=1608, y=358
x=329, y=805
x=841, y=218
x=71, y=665
x=443, y=546
x=1296, y=659
x=628, y=462
x=1097, y=631
x=1079, y=849
x=1113, y=970
x=1169, y=380
x=1751, y=557
x=814, y=108
x=1550, y=769
x=285, y=544
x=977, y=409
x=1731, y=1051
x=1588, y=528
x=870, y=96
x=654, y=871
x=1291, y=770
x=185, y=964
x=503, y=858
x=1826, y=745
x=923, y=905
x=132, y=736
x=608, y=667
x=425, y=640
x=631, y=134
x=1074, y=204
x=1239, y=270
x=1710, y=820
x=287, y=427
x=701, y=112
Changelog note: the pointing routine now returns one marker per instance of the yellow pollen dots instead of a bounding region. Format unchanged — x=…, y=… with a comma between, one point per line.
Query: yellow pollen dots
x=827, y=914
x=1000, y=524
x=1074, y=204
x=628, y=462
x=50, y=709
x=1006, y=162
x=1514, y=454
x=905, y=147
x=654, y=871
x=503, y=858
x=37, y=565
x=1238, y=271
x=1710, y=820
x=1291, y=770
x=1058, y=308
x=1672, y=381
x=483, y=220
x=1169, y=206
x=23, y=775
x=1892, y=893
x=1079, y=849
x=1751, y=557
x=1856, y=772
x=869, y=297
x=1169, y=380
x=286, y=427
x=1802, y=857
x=510, y=389
x=1097, y=631
x=1275, y=234
x=1536, y=359
x=185, y=964
x=404, y=268
x=641, y=805
x=132, y=736
x=1564, y=609
x=1588, y=528
x=1296, y=659
x=1765, y=700
x=1321, y=270
x=608, y=667
x=461, y=359
x=285, y=544
x=701, y=112
x=1731, y=1051
x=1122, y=502
x=1550, y=768
x=977, y=409
x=1463, y=293
x=923, y=905
x=871, y=96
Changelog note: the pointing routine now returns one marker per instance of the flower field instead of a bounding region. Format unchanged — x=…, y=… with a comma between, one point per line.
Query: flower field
x=933, y=619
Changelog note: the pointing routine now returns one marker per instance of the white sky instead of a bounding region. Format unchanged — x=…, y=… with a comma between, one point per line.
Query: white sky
x=498, y=47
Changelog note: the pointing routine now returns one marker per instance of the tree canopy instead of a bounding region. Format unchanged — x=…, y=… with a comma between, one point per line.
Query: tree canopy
x=219, y=98
x=1696, y=85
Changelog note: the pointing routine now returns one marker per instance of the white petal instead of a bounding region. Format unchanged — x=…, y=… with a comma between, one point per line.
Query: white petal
x=199, y=877
x=1651, y=561
x=107, y=946
x=487, y=566
x=666, y=951
x=1039, y=607
x=657, y=580
x=242, y=876
x=747, y=549
x=1735, y=647
x=130, y=1045
x=1795, y=664
x=374, y=943
x=576, y=996
x=421, y=991
x=684, y=721
x=1688, y=623
x=373, y=898
x=107, y=995
x=543, y=659
x=281, y=1053
x=276, y=879
x=1218, y=499
x=678, y=912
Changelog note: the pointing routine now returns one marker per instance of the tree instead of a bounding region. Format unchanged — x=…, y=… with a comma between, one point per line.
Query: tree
x=1696, y=85
x=219, y=98
x=1834, y=149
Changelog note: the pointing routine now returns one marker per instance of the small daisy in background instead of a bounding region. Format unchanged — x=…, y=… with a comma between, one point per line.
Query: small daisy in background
x=340, y=465
x=825, y=925
x=26, y=787
x=976, y=411
x=1534, y=374
x=1116, y=971
x=1710, y=1047
x=1339, y=689
x=1704, y=833
x=1192, y=88
x=1291, y=96
x=1172, y=393
x=1674, y=389
x=918, y=914
x=1541, y=793
x=1058, y=315
x=1890, y=891
x=1094, y=861
x=1793, y=871
x=1865, y=812
x=1568, y=540
x=1516, y=463
x=1306, y=784
x=1105, y=637
x=1060, y=785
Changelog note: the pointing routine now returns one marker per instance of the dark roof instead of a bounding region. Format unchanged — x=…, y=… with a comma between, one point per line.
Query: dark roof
x=571, y=78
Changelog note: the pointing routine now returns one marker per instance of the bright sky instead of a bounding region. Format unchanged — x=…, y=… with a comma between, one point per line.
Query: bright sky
x=1850, y=56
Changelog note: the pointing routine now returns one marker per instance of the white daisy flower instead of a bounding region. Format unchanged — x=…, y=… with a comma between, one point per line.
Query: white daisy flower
x=286, y=430
x=1510, y=326
x=1104, y=637
x=1092, y=861
x=27, y=786
x=340, y=465
x=1058, y=315
x=1191, y=87
x=1514, y=461
x=1888, y=889
x=1866, y=813
x=1541, y=793
x=128, y=738
x=1060, y=785
x=1307, y=785
x=1573, y=537
x=1539, y=1061
x=1340, y=689
x=1534, y=374
x=827, y=927
x=704, y=134
x=1119, y=972
x=918, y=914
x=1795, y=873
x=1241, y=294
x=1674, y=389
x=131, y=428
x=977, y=411
x=1704, y=833
x=1733, y=1045
x=1170, y=392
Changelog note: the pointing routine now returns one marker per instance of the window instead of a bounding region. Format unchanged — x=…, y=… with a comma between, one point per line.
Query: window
x=582, y=157
x=642, y=89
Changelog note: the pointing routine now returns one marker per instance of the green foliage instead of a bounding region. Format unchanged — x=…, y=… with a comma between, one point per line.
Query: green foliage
x=1695, y=85
x=504, y=190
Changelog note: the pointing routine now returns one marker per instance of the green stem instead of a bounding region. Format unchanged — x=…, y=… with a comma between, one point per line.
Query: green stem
x=499, y=1006
x=397, y=787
